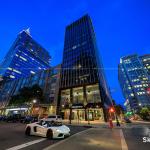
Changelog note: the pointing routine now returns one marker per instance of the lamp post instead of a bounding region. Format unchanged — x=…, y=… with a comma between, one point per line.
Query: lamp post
x=77, y=109
x=88, y=112
x=70, y=116
x=140, y=107
x=34, y=101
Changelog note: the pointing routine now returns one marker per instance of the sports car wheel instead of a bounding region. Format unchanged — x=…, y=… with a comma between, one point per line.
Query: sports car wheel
x=28, y=130
x=49, y=134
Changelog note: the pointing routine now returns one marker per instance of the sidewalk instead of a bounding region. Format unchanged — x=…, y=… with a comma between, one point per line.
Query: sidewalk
x=94, y=124
x=91, y=139
x=138, y=121
x=85, y=123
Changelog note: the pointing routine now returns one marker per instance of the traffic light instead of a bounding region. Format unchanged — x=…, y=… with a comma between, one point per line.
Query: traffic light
x=148, y=90
x=111, y=110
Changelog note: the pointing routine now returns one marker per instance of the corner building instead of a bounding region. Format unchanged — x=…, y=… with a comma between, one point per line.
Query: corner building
x=83, y=87
x=24, y=58
x=134, y=79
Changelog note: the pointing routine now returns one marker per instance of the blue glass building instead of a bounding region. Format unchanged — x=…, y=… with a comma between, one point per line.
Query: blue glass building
x=47, y=80
x=134, y=79
x=25, y=57
x=83, y=86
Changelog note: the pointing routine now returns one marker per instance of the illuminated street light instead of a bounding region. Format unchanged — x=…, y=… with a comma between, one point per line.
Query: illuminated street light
x=34, y=101
x=148, y=90
x=140, y=104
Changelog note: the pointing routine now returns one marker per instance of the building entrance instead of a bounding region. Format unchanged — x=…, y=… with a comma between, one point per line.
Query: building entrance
x=84, y=114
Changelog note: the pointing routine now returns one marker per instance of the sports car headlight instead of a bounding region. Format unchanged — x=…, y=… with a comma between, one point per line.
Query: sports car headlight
x=58, y=130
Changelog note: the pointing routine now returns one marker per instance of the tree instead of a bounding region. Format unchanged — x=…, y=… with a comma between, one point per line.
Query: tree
x=26, y=95
x=37, y=93
x=145, y=113
x=118, y=108
x=14, y=100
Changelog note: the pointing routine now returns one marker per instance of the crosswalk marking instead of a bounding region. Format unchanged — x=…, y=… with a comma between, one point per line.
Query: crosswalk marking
x=26, y=144
x=123, y=142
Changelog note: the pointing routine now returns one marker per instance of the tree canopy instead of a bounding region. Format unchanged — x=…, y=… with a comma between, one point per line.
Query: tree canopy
x=27, y=94
x=145, y=113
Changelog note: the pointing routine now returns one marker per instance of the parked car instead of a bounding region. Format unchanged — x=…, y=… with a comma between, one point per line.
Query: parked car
x=14, y=118
x=127, y=120
x=2, y=118
x=48, y=129
x=29, y=119
x=53, y=118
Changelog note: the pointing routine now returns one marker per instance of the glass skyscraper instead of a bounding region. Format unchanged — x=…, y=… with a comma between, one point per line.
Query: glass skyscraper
x=83, y=84
x=146, y=62
x=25, y=57
x=135, y=81
x=47, y=80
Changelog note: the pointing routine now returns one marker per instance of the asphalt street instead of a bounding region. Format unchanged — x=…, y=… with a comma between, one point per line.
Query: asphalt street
x=12, y=134
x=129, y=137
x=134, y=134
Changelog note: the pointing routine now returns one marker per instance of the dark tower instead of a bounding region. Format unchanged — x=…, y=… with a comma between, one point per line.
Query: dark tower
x=83, y=84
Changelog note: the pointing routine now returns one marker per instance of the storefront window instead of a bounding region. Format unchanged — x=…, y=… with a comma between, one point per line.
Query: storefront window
x=78, y=95
x=65, y=97
x=93, y=94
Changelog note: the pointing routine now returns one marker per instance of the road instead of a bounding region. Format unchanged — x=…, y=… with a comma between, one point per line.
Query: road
x=134, y=134
x=129, y=137
x=12, y=134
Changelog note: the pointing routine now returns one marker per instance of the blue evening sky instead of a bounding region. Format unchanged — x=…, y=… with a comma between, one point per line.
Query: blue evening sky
x=122, y=28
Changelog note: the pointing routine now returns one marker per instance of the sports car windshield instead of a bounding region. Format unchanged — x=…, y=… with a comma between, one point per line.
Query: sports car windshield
x=50, y=123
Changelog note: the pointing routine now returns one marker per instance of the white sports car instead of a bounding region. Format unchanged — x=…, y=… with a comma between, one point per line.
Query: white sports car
x=49, y=129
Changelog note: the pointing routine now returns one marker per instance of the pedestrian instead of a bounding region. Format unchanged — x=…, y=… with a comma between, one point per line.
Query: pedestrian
x=117, y=122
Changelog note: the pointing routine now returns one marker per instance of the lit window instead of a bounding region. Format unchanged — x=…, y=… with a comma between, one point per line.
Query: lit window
x=17, y=64
x=132, y=94
x=9, y=68
x=32, y=72
x=23, y=58
x=74, y=47
x=12, y=76
x=16, y=71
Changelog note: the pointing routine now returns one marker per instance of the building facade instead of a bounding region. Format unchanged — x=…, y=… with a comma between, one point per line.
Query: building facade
x=134, y=79
x=48, y=81
x=146, y=62
x=25, y=57
x=83, y=94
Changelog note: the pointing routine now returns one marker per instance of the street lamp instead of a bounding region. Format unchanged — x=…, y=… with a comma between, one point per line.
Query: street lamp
x=34, y=101
x=77, y=109
x=140, y=104
x=88, y=109
x=70, y=116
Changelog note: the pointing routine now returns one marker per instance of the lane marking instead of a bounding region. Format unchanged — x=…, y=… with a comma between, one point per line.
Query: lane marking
x=26, y=144
x=72, y=136
x=123, y=141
